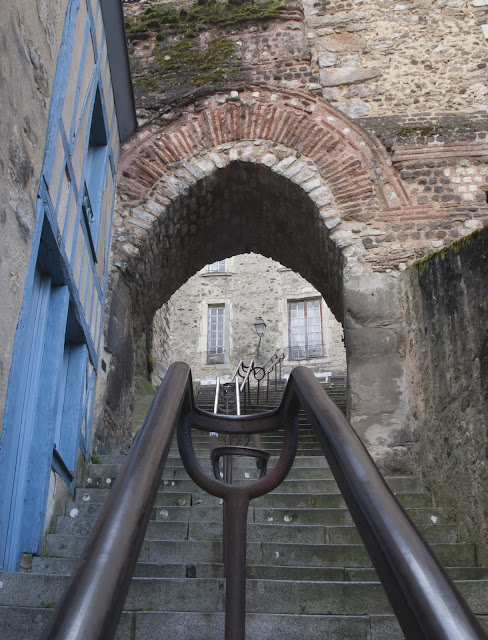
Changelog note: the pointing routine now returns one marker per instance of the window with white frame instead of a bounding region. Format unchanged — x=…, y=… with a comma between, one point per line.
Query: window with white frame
x=305, y=329
x=215, y=334
x=217, y=267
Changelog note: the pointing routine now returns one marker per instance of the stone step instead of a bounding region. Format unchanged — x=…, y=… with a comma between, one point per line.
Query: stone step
x=305, y=435
x=98, y=477
x=328, y=517
x=275, y=499
x=398, y=484
x=274, y=553
x=296, y=473
x=334, y=517
x=208, y=594
x=26, y=623
x=175, y=461
x=273, y=449
x=66, y=566
x=260, y=532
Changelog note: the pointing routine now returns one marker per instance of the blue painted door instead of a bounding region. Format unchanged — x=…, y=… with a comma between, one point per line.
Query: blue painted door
x=45, y=410
x=15, y=458
x=69, y=405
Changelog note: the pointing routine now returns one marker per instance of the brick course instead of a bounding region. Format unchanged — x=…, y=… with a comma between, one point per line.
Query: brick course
x=381, y=206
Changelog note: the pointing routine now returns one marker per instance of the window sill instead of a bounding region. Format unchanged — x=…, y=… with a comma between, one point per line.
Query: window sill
x=215, y=273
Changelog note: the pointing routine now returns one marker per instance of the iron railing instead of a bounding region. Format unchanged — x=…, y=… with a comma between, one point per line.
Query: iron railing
x=268, y=373
x=424, y=599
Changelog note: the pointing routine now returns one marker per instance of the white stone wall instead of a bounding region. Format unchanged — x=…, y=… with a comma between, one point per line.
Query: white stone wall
x=251, y=286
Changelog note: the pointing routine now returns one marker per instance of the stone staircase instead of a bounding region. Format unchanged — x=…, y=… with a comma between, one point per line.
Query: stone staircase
x=309, y=575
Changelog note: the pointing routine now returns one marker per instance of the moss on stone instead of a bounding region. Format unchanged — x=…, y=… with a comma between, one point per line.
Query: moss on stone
x=421, y=263
x=465, y=241
x=187, y=59
x=406, y=131
x=161, y=19
x=456, y=246
x=181, y=56
x=147, y=81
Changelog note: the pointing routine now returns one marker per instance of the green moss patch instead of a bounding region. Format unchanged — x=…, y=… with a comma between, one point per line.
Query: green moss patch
x=418, y=130
x=164, y=20
x=186, y=58
x=456, y=246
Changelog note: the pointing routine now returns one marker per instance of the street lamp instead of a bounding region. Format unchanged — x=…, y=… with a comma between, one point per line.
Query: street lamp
x=259, y=328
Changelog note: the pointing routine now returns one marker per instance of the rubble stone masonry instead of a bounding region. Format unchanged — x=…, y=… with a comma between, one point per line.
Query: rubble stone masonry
x=251, y=286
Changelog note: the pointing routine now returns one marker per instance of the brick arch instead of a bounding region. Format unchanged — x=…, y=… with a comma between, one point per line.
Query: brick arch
x=356, y=167
x=229, y=176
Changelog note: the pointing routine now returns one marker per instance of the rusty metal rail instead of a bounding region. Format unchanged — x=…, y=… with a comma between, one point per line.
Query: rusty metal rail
x=425, y=601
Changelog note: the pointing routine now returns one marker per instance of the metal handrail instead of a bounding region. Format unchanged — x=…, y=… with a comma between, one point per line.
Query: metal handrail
x=216, y=400
x=241, y=362
x=248, y=373
x=91, y=607
x=424, y=599
x=264, y=372
x=259, y=372
x=243, y=371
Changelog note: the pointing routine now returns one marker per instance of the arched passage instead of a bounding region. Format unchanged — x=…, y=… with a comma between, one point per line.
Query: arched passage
x=249, y=204
x=223, y=181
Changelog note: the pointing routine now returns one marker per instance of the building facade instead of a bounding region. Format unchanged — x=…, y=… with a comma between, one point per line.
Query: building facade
x=213, y=315
x=63, y=204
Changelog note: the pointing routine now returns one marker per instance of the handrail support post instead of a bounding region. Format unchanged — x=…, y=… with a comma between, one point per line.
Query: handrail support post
x=235, y=525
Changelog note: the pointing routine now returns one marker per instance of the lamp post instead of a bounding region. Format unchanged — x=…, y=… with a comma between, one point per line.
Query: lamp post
x=260, y=329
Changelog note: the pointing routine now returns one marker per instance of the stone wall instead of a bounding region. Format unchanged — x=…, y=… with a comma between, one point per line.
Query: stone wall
x=31, y=35
x=159, y=352
x=251, y=286
x=414, y=60
x=381, y=58
x=448, y=365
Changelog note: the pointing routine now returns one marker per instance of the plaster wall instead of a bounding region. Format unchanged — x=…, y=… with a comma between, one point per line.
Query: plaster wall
x=31, y=36
x=251, y=286
x=448, y=367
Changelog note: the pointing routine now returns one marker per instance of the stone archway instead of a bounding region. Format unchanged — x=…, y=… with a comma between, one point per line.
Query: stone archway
x=284, y=176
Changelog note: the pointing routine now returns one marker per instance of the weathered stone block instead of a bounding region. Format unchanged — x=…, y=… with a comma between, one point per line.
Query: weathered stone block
x=347, y=75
